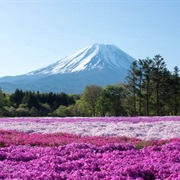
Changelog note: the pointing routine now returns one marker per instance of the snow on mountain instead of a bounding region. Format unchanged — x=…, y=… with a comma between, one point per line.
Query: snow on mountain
x=97, y=56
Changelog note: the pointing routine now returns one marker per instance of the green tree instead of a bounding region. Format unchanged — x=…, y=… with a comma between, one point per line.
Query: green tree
x=175, y=92
x=2, y=102
x=158, y=69
x=44, y=109
x=17, y=97
x=33, y=112
x=32, y=101
x=109, y=101
x=62, y=111
x=22, y=112
x=146, y=82
x=90, y=97
x=139, y=74
x=82, y=108
x=132, y=85
x=102, y=105
x=12, y=111
x=148, y=87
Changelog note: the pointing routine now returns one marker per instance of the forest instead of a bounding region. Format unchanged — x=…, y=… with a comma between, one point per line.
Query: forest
x=150, y=89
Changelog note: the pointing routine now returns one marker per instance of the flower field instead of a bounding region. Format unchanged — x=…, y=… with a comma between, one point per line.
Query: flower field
x=117, y=148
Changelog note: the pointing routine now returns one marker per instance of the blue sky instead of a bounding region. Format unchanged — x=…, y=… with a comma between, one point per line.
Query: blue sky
x=34, y=34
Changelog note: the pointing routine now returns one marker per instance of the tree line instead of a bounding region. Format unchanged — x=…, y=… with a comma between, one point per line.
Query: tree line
x=150, y=89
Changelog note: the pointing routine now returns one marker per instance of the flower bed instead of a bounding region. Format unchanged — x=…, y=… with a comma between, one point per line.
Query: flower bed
x=8, y=138
x=84, y=161
x=96, y=148
x=144, y=128
x=92, y=119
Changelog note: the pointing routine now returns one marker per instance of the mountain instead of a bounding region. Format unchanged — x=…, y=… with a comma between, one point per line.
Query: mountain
x=98, y=64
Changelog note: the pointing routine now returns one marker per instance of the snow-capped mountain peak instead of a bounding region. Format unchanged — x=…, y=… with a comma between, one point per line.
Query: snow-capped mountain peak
x=97, y=64
x=96, y=56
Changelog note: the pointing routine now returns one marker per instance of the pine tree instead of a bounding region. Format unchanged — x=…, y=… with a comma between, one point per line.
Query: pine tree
x=175, y=92
x=132, y=84
x=1, y=102
x=146, y=82
x=157, y=73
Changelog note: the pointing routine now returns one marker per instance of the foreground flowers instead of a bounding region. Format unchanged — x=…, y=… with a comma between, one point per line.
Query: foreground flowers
x=84, y=161
x=41, y=148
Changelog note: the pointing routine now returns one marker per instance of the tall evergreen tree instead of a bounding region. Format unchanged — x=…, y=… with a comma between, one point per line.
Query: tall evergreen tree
x=175, y=92
x=1, y=102
x=146, y=82
x=157, y=73
x=32, y=101
x=132, y=83
x=17, y=97
x=139, y=74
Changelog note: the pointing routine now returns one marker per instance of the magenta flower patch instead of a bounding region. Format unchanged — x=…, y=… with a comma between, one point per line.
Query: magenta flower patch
x=90, y=148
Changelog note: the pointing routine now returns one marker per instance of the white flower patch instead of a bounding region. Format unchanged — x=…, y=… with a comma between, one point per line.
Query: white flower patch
x=142, y=130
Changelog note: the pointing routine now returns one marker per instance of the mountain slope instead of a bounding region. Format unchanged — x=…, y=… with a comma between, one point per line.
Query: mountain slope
x=97, y=64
